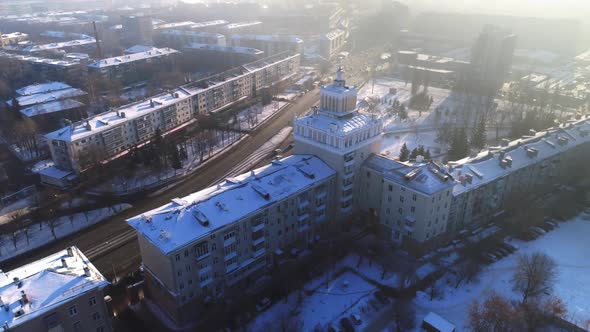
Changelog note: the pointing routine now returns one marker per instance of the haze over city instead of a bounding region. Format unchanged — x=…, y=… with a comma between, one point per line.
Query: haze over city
x=294, y=165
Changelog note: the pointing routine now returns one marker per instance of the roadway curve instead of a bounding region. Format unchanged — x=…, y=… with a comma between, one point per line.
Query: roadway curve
x=109, y=244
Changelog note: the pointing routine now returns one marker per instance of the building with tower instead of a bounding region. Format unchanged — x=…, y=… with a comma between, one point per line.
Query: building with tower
x=340, y=135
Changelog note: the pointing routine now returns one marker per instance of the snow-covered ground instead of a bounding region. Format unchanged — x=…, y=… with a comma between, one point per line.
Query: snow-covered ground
x=12, y=245
x=343, y=296
x=255, y=115
x=568, y=245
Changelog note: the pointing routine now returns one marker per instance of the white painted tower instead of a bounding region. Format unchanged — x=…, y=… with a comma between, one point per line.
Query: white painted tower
x=341, y=136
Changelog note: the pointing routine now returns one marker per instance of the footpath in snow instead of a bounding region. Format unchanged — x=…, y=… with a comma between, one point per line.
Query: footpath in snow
x=38, y=235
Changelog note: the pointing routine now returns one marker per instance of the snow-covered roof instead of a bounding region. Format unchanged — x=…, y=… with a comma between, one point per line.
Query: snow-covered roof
x=239, y=25
x=427, y=177
x=139, y=49
x=40, y=98
x=208, y=24
x=187, y=219
x=40, y=60
x=14, y=35
x=52, y=171
x=498, y=162
x=221, y=48
x=51, y=107
x=118, y=60
x=338, y=126
x=55, y=46
x=193, y=33
x=113, y=118
x=46, y=284
x=173, y=25
x=42, y=88
x=63, y=34
x=268, y=38
x=439, y=323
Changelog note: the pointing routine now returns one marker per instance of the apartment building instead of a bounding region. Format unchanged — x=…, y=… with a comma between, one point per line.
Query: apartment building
x=332, y=42
x=12, y=38
x=69, y=70
x=223, y=238
x=180, y=38
x=219, y=58
x=110, y=135
x=410, y=201
x=341, y=136
x=137, y=29
x=488, y=183
x=61, y=292
x=269, y=44
x=130, y=68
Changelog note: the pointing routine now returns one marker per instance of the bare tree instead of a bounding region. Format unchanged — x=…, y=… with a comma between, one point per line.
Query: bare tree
x=534, y=276
x=26, y=230
x=52, y=222
x=404, y=314
x=15, y=237
x=466, y=271
x=495, y=314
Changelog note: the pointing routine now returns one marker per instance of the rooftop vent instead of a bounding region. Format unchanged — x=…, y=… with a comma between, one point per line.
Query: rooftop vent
x=442, y=176
x=70, y=252
x=412, y=174
x=87, y=271
x=469, y=178
x=531, y=152
x=261, y=191
x=64, y=264
x=505, y=142
x=201, y=218
x=562, y=140
x=23, y=297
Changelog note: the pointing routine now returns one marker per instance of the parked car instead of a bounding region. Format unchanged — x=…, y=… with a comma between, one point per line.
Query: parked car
x=490, y=257
x=356, y=319
x=346, y=325
x=263, y=304
x=538, y=230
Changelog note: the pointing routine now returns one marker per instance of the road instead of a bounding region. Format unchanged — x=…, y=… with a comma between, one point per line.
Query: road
x=125, y=256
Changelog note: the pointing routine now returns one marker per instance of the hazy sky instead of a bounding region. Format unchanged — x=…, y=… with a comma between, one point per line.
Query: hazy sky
x=538, y=8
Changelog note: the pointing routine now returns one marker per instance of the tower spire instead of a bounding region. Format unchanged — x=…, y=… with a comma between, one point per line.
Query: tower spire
x=339, y=81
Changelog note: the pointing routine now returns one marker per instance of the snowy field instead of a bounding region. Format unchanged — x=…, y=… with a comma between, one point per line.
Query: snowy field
x=568, y=245
x=38, y=235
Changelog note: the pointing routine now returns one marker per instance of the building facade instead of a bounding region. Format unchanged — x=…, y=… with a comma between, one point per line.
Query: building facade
x=221, y=239
x=61, y=292
x=269, y=44
x=219, y=58
x=110, y=135
x=341, y=136
x=137, y=30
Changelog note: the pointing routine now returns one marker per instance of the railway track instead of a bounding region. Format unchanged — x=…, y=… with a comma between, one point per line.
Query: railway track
x=127, y=236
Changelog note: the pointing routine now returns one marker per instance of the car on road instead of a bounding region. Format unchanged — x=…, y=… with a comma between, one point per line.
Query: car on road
x=346, y=325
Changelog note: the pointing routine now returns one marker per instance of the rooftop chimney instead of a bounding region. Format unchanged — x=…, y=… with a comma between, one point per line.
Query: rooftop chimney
x=70, y=251
x=87, y=271
x=64, y=264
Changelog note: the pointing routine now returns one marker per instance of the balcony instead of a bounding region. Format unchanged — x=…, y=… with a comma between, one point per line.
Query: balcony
x=321, y=207
x=229, y=241
x=347, y=186
x=303, y=204
x=321, y=195
x=302, y=228
x=303, y=217
x=230, y=256
x=258, y=227
x=347, y=209
x=346, y=198
x=258, y=241
x=349, y=162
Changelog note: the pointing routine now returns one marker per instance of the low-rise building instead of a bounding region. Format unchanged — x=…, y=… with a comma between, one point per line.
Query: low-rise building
x=110, y=135
x=12, y=38
x=61, y=292
x=130, y=68
x=219, y=58
x=410, y=201
x=180, y=38
x=68, y=70
x=223, y=238
x=269, y=44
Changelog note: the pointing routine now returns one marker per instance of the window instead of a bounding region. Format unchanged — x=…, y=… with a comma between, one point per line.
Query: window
x=400, y=210
x=177, y=257
x=413, y=209
x=96, y=316
x=186, y=253
x=73, y=310
x=92, y=301
x=390, y=188
x=78, y=327
x=401, y=199
x=201, y=249
x=414, y=197
x=100, y=329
